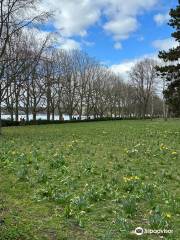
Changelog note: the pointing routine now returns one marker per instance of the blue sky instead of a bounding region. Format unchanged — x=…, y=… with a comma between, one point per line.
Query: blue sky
x=116, y=32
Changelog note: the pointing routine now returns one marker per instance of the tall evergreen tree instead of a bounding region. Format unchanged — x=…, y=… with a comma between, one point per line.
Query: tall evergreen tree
x=170, y=71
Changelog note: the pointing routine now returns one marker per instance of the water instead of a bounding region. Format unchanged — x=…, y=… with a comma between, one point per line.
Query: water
x=39, y=116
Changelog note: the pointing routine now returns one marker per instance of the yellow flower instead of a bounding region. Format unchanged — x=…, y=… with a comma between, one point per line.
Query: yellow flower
x=136, y=177
x=174, y=153
x=168, y=215
x=131, y=178
x=150, y=212
x=82, y=212
x=163, y=147
x=69, y=145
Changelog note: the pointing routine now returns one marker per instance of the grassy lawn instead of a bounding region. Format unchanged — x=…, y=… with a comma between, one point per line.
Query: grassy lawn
x=90, y=180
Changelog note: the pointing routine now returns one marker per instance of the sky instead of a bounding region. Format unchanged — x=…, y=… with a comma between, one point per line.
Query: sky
x=118, y=33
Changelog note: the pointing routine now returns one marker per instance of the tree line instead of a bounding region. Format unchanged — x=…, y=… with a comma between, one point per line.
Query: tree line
x=38, y=77
x=57, y=82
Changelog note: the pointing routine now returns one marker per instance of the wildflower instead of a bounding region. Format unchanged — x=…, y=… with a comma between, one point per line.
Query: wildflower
x=136, y=177
x=174, y=153
x=69, y=145
x=125, y=179
x=168, y=215
x=163, y=147
x=150, y=212
x=82, y=212
x=130, y=178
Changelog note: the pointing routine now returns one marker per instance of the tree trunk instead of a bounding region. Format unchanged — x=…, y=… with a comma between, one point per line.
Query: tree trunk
x=27, y=104
x=16, y=112
x=53, y=114
x=152, y=108
x=27, y=114
x=34, y=110
x=16, y=106
x=0, y=117
x=80, y=111
x=11, y=113
x=48, y=114
x=60, y=116
x=70, y=116
x=34, y=115
x=165, y=111
x=48, y=101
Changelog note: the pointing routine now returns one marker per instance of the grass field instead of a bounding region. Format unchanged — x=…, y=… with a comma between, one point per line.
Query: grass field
x=90, y=180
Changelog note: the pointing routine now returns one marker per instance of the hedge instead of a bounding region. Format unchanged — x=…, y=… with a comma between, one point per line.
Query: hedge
x=9, y=123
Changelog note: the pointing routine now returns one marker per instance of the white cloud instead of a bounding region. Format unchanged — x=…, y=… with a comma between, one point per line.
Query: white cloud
x=122, y=16
x=140, y=39
x=161, y=19
x=165, y=44
x=74, y=17
x=34, y=34
x=67, y=44
x=121, y=28
x=88, y=43
x=124, y=67
x=118, y=45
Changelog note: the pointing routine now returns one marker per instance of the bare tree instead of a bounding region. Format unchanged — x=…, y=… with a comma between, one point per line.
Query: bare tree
x=69, y=82
x=14, y=16
x=143, y=79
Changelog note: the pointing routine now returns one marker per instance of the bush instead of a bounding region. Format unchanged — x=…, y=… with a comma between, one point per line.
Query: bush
x=9, y=123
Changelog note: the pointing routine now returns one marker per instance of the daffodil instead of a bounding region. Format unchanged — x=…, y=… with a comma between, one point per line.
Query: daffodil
x=136, y=177
x=168, y=215
x=131, y=178
x=163, y=147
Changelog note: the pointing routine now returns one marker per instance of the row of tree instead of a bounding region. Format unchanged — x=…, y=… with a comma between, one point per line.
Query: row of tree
x=37, y=77
x=15, y=16
x=43, y=79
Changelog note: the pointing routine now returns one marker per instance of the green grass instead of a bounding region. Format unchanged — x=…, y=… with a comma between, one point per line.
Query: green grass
x=90, y=180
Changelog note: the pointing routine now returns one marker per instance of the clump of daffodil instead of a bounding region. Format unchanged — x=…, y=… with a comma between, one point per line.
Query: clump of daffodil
x=126, y=150
x=69, y=145
x=131, y=151
x=163, y=147
x=130, y=178
x=82, y=212
x=168, y=215
x=55, y=155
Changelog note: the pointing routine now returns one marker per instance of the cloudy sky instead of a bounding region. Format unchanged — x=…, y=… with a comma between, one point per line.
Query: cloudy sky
x=116, y=32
